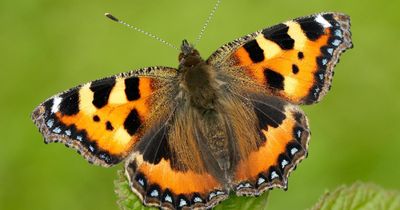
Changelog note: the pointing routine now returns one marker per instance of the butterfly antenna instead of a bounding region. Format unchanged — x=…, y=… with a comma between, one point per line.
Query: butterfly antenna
x=203, y=29
x=111, y=17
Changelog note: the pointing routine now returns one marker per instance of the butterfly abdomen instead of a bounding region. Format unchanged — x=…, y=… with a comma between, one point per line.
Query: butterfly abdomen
x=217, y=138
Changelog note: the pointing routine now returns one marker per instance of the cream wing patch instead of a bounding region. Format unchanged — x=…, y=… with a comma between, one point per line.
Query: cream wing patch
x=296, y=33
x=118, y=95
x=86, y=98
x=270, y=48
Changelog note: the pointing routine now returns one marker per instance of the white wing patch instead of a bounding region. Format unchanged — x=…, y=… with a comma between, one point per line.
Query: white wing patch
x=323, y=22
x=56, y=104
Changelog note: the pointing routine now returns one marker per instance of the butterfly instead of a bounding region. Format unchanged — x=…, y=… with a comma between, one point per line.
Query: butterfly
x=190, y=136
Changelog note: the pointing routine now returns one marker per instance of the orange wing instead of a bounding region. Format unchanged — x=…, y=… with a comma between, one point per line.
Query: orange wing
x=104, y=119
x=293, y=60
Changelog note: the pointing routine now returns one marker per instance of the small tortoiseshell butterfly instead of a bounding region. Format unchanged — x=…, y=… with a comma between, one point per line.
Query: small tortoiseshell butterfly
x=191, y=135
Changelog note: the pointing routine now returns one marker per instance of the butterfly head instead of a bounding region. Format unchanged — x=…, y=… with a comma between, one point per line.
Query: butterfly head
x=189, y=56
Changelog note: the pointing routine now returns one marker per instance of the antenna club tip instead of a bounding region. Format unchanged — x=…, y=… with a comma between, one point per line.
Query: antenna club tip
x=111, y=17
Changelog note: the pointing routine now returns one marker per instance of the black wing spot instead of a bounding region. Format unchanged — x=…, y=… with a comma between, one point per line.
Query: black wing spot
x=269, y=112
x=295, y=69
x=274, y=79
x=311, y=28
x=101, y=91
x=132, y=122
x=157, y=149
x=279, y=35
x=132, y=88
x=109, y=126
x=329, y=17
x=70, y=102
x=154, y=147
x=255, y=52
x=300, y=55
x=96, y=118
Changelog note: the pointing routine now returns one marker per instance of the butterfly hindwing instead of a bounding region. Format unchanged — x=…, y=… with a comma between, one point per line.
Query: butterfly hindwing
x=285, y=134
x=164, y=175
x=105, y=118
x=293, y=60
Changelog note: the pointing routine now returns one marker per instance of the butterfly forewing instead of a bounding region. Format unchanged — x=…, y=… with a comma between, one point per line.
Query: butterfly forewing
x=293, y=60
x=104, y=119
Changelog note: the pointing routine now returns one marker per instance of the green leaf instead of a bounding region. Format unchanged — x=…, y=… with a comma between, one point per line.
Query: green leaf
x=247, y=203
x=359, y=196
x=127, y=200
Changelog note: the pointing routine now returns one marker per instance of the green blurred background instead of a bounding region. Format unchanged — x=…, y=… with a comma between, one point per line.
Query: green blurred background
x=49, y=46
